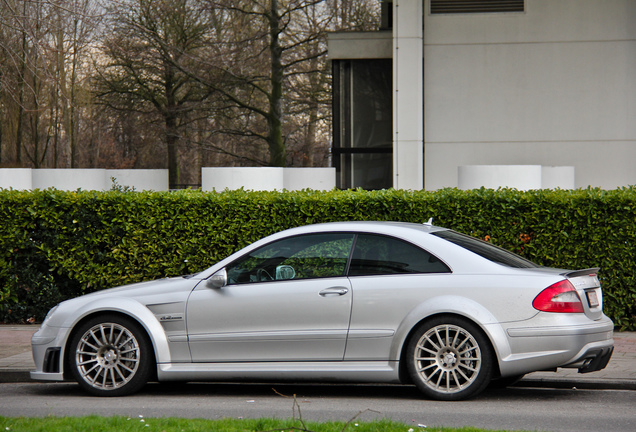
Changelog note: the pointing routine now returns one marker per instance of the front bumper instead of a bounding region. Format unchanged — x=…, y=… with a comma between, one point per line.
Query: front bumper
x=47, y=345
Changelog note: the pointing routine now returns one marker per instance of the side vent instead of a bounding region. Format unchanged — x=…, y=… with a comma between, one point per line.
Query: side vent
x=52, y=360
x=439, y=7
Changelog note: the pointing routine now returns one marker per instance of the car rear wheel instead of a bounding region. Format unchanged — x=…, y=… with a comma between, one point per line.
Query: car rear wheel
x=449, y=358
x=111, y=355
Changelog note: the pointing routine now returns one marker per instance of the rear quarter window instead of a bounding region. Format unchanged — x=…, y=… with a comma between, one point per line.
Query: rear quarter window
x=486, y=250
x=382, y=255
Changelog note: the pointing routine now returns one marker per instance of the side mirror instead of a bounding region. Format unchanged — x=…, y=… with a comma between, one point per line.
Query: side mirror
x=217, y=280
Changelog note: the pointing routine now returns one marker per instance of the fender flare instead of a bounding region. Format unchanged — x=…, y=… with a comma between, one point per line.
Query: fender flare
x=452, y=305
x=133, y=309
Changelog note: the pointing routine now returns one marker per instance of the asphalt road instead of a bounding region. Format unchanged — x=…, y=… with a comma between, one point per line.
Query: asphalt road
x=507, y=409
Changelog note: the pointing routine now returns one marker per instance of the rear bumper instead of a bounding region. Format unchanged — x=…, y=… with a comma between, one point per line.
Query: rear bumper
x=586, y=346
x=595, y=361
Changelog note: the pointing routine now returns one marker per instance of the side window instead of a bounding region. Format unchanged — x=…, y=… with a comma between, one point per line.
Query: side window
x=302, y=257
x=377, y=255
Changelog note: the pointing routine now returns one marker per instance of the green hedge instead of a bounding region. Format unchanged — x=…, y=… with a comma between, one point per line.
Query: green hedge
x=55, y=245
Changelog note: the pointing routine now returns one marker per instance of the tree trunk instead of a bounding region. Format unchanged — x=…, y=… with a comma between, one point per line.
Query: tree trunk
x=171, y=121
x=60, y=88
x=310, y=134
x=72, y=136
x=277, y=151
x=22, y=79
x=172, y=140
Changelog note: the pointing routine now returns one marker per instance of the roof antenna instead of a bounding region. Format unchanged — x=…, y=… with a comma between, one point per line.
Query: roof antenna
x=429, y=223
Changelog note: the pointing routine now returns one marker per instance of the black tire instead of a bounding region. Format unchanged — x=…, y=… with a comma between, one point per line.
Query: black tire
x=449, y=358
x=111, y=355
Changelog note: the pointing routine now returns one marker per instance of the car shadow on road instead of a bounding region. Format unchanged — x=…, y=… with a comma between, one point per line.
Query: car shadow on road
x=305, y=391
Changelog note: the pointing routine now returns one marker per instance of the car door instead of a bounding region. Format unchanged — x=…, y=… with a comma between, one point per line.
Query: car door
x=287, y=301
x=389, y=276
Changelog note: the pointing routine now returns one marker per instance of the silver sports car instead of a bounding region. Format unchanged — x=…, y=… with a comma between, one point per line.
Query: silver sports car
x=348, y=301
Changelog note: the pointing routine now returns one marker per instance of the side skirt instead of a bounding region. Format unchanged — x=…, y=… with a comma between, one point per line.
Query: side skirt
x=385, y=372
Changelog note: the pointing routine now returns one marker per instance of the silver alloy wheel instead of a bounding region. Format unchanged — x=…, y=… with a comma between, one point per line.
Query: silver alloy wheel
x=107, y=356
x=447, y=358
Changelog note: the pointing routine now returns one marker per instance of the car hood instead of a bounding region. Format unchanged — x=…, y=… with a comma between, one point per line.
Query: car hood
x=142, y=289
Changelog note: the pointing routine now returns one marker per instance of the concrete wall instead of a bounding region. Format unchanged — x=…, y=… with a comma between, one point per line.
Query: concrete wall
x=360, y=45
x=309, y=178
x=16, y=178
x=140, y=179
x=267, y=178
x=261, y=178
x=69, y=179
x=85, y=179
x=555, y=85
x=521, y=177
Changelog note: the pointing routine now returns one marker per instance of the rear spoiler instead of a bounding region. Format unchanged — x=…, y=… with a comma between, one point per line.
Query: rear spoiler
x=585, y=272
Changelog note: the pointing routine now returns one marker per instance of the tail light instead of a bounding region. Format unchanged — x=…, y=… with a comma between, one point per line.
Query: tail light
x=560, y=297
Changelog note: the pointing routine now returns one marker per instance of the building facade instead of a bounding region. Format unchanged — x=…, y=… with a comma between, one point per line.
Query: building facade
x=452, y=83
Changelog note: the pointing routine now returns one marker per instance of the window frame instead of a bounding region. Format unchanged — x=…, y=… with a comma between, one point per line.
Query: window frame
x=345, y=150
x=249, y=254
x=355, y=236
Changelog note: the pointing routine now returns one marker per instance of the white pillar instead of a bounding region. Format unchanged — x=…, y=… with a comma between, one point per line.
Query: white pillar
x=408, y=95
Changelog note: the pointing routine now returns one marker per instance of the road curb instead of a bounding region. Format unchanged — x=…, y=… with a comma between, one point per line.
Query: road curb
x=583, y=384
x=14, y=376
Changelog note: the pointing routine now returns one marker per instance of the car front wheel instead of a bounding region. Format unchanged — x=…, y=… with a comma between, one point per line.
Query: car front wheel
x=110, y=355
x=449, y=358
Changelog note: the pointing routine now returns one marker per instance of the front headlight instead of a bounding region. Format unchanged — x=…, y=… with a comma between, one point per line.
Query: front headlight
x=49, y=314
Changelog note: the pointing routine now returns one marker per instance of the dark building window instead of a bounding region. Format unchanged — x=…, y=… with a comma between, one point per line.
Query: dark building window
x=475, y=6
x=363, y=123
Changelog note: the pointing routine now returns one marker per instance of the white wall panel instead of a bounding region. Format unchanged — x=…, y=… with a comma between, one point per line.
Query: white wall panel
x=70, y=179
x=16, y=178
x=267, y=178
x=607, y=165
x=555, y=85
x=140, y=179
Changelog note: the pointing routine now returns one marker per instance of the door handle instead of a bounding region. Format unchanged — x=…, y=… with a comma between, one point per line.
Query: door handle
x=334, y=291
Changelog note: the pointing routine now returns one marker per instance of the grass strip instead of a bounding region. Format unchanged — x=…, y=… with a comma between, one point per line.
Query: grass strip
x=141, y=424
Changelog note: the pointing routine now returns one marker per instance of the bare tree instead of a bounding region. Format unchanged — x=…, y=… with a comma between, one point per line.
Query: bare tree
x=148, y=43
x=78, y=23
x=44, y=44
x=272, y=69
x=251, y=66
x=229, y=82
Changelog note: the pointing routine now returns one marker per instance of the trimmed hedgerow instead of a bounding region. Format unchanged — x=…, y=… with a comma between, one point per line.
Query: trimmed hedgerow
x=56, y=245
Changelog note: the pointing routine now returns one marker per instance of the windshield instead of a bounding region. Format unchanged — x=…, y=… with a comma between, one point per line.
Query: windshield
x=486, y=250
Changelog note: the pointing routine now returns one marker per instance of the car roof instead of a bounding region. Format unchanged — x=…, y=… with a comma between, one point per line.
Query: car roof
x=386, y=227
